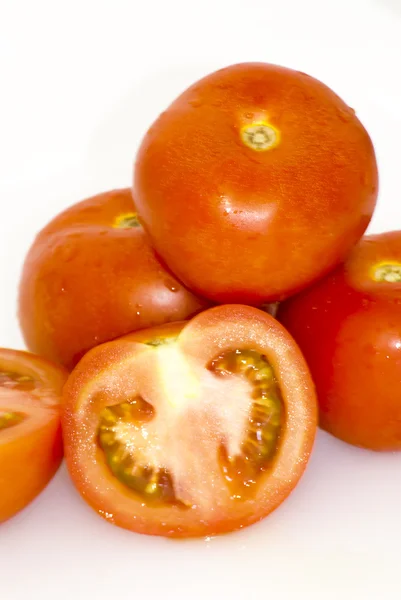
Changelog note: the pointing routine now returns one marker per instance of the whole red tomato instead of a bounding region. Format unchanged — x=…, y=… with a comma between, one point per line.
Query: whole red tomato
x=349, y=328
x=92, y=276
x=192, y=428
x=255, y=182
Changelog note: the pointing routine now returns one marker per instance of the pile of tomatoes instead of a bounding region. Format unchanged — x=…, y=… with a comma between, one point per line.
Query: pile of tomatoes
x=188, y=333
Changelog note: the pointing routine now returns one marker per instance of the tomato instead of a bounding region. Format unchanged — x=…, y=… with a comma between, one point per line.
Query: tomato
x=349, y=328
x=91, y=276
x=30, y=430
x=193, y=428
x=261, y=177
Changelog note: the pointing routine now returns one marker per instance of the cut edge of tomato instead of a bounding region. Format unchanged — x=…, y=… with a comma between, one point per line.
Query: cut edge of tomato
x=293, y=450
x=41, y=370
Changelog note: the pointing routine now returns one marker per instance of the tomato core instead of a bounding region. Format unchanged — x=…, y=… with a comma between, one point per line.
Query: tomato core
x=127, y=221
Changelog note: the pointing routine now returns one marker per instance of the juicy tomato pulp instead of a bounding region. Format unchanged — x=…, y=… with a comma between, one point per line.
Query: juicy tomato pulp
x=91, y=276
x=349, y=328
x=30, y=429
x=193, y=428
x=261, y=177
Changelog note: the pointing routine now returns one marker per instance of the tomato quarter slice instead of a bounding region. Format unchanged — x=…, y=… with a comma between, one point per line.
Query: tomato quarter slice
x=30, y=430
x=191, y=429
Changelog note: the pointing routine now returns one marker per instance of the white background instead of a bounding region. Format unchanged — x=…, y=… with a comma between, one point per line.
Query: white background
x=80, y=82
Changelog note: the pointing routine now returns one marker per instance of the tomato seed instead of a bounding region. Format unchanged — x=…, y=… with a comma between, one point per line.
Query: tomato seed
x=265, y=419
x=153, y=484
x=14, y=380
x=10, y=419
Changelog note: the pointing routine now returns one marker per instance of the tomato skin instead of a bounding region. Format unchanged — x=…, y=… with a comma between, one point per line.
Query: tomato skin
x=86, y=282
x=349, y=329
x=30, y=453
x=255, y=226
x=204, y=336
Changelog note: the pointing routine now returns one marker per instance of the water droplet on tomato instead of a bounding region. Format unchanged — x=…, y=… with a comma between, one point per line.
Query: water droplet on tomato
x=171, y=285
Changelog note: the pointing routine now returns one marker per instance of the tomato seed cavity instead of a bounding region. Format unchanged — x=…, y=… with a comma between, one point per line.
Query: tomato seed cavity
x=16, y=381
x=117, y=424
x=160, y=341
x=265, y=419
x=9, y=419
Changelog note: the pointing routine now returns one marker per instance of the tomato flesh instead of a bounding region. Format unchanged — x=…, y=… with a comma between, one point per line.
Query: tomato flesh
x=185, y=437
x=30, y=428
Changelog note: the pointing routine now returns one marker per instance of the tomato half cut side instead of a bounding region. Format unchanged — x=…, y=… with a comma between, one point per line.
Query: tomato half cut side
x=191, y=429
x=31, y=446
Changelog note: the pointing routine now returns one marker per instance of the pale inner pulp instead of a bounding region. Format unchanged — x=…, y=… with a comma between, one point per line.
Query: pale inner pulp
x=194, y=431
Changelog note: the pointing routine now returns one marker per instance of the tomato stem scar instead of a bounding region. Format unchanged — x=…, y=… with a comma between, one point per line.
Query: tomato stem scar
x=388, y=272
x=260, y=136
x=127, y=221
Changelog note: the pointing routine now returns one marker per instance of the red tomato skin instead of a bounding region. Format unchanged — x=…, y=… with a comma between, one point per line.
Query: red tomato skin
x=349, y=329
x=30, y=458
x=86, y=282
x=253, y=226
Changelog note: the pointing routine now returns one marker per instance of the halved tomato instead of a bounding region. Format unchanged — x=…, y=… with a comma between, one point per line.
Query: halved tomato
x=194, y=428
x=30, y=430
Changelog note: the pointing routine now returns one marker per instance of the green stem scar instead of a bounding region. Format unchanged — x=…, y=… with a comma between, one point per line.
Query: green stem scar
x=260, y=136
x=387, y=272
x=127, y=221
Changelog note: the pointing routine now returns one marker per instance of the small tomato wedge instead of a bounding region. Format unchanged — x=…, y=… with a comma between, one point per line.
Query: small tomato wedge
x=349, y=328
x=193, y=428
x=91, y=276
x=30, y=429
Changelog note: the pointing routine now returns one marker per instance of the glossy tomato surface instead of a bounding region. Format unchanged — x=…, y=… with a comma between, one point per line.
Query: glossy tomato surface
x=91, y=276
x=256, y=181
x=191, y=429
x=349, y=328
x=30, y=430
